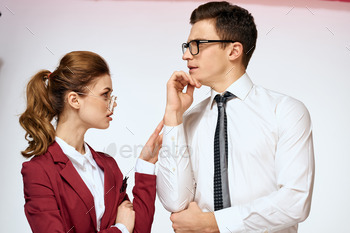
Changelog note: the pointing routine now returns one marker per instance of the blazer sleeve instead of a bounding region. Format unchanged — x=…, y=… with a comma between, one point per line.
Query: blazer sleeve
x=40, y=207
x=144, y=193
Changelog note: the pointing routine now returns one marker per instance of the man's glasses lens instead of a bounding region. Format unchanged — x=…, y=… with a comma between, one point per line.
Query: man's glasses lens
x=184, y=47
x=192, y=46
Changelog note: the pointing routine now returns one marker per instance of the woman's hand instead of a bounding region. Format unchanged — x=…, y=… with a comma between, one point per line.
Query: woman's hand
x=150, y=151
x=126, y=215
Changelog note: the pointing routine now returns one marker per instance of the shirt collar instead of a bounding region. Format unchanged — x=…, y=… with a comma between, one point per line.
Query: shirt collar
x=76, y=157
x=240, y=88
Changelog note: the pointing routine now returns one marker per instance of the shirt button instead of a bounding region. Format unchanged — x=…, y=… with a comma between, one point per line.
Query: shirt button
x=172, y=138
x=101, y=205
x=174, y=169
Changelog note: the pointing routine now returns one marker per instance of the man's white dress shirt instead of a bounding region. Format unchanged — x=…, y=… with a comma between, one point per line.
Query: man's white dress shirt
x=93, y=176
x=270, y=160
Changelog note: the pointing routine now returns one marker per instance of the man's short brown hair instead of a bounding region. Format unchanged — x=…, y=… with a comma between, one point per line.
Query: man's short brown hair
x=232, y=23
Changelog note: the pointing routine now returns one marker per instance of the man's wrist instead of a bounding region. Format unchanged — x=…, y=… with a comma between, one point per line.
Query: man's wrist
x=172, y=117
x=211, y=225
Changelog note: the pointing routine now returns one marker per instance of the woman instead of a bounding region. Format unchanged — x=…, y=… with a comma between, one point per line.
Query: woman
x=68, y=187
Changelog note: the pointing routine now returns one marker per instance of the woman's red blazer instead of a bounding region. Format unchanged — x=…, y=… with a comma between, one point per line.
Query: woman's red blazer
x=57, y=199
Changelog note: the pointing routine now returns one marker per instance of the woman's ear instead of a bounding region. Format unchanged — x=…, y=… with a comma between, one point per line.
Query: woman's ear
x=73, y=100
x=235, y=51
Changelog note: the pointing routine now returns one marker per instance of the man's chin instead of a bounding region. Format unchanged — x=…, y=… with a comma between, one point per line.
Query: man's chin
x=203, y=81
x=198, y=78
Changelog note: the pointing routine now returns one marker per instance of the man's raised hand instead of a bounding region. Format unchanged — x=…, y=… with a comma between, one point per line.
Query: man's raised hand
x=177, y=100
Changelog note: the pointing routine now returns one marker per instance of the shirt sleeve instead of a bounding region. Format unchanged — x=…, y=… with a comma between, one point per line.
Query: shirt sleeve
x=294, y=164
x=144, y=167
x=175, y=184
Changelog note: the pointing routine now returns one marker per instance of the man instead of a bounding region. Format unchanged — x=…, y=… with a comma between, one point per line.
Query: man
x=242, y=159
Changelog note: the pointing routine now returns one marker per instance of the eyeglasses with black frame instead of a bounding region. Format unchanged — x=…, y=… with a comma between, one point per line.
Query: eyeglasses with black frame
x=193, y=45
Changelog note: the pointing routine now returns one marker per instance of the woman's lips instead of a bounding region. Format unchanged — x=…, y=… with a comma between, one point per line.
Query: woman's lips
x=109, y=117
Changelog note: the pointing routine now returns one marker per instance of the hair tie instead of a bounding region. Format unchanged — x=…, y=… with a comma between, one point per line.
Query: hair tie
x=48, y=76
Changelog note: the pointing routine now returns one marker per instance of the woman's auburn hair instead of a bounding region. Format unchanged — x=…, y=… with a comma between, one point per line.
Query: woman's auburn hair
x=46, y=96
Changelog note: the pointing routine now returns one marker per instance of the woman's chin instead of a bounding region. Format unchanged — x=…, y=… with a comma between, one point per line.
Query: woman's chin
x=104, y=126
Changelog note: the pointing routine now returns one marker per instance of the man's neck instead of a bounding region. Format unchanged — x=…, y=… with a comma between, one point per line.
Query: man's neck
x=220, y=85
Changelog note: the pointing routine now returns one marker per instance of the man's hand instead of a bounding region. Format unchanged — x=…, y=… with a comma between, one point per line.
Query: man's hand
x=193, y=219
x=177, y=101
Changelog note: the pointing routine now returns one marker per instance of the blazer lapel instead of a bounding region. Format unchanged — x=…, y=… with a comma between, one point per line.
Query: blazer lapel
x=70, y=174
x=110, y=189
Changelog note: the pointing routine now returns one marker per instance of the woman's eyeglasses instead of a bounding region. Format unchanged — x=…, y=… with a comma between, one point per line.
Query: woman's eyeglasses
x=109, y=99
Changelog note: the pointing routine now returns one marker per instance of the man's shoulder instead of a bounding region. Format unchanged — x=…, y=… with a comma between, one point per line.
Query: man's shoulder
x=195, y=111
x=274, y=96
x=280, y=103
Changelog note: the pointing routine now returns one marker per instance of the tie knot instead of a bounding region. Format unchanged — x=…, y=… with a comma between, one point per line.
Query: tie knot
x=224, y=98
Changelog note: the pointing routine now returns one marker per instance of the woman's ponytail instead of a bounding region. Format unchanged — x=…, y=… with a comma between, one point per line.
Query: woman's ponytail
x=36, y=119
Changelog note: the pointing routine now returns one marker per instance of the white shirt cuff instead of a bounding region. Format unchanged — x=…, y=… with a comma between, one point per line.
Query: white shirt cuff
x=121, y=227
x=229, y=220
x=144, y=167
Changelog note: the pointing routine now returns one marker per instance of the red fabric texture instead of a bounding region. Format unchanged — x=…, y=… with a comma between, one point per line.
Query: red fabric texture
x=57, y=199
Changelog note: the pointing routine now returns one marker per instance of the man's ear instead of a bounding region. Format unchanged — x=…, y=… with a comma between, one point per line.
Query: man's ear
x=235, y=51
x=73, y=100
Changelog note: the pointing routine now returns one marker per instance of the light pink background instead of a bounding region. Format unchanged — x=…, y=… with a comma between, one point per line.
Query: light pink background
x=303, y=50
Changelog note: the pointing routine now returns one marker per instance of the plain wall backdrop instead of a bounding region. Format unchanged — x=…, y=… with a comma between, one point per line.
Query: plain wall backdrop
x=303, y=50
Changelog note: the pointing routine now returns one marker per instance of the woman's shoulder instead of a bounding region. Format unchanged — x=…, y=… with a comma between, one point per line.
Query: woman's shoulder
x=104, y=155
x=107, y=158
x=110, y=162
x=39, y=159
x=38, y=167
x=45, y=161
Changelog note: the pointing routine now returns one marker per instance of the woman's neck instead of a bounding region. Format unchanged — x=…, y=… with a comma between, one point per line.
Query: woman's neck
x=72, y=134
